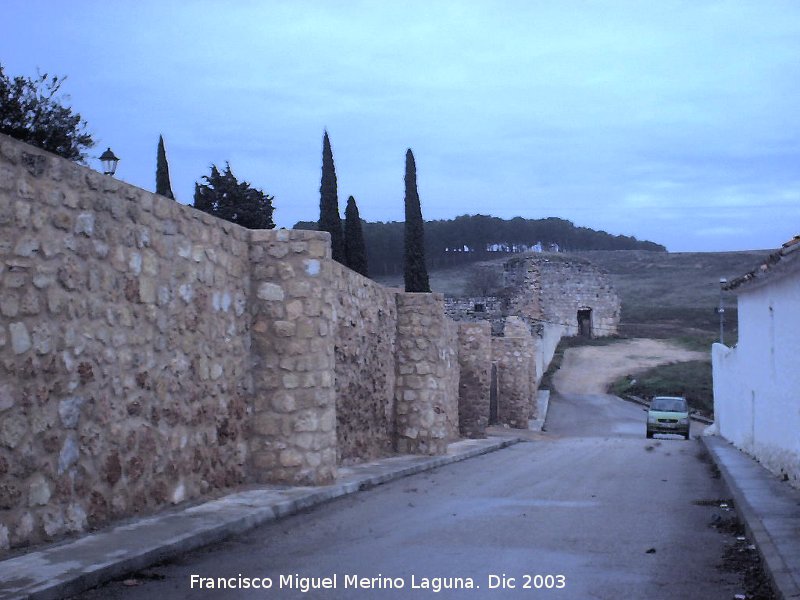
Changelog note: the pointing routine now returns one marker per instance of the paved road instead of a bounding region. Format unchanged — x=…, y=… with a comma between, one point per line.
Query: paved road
x=590, y=500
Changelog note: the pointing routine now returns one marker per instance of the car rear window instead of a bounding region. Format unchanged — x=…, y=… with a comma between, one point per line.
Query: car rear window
x=669, y=404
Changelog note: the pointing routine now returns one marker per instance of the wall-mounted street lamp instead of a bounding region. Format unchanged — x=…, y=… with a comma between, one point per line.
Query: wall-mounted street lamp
x=109, y=162
x=721, y=311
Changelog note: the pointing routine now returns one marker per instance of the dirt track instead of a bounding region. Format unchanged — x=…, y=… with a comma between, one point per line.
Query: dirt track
x=590, y=369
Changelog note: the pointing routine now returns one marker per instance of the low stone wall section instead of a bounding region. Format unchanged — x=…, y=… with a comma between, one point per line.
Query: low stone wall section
x=477, y=309
x=365, y=345
x=474, y=359
x=515, y=357
x=426, y=392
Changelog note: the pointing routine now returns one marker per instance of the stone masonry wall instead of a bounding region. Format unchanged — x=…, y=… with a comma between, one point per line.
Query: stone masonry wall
x=293, y=433
x=474, y=352
x=491, y=309
x=123, y=345
x=151, y=353
x=366, y=332
x=515, y=356
x=522, y=283
x=426, y=392
x=549, y=289
x=567, y=286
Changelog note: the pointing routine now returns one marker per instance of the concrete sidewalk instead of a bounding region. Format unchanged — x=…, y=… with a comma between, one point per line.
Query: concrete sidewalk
x=770, y=510
x=71, y=567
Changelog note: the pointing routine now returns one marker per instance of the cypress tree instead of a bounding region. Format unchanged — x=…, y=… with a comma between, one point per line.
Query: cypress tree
x=354, y=248
x=414, y=272
x=163, y=186
x=329, y=219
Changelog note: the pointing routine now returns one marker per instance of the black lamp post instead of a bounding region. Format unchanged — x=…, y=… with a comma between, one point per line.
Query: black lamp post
x=109, y=162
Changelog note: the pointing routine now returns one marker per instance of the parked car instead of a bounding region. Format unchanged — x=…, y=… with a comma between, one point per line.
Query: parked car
x=668, y=414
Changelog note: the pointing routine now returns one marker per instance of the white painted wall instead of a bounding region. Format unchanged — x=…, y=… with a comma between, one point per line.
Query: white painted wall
x=757, y=383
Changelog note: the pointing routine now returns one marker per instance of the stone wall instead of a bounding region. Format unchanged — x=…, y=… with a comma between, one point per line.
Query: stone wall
x=546, y=290
x=474, y=350
x=151, y=354
x=568, y=286
x=522, y=281
x=540, y=302
x=366, y=332
x=477, y=309
x=293, y=433
x=124, y=339
x=515, y=357
x=539, y=291
x=426, y=392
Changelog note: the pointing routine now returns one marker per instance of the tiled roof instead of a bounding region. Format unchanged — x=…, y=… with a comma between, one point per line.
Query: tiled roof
x=777, y=262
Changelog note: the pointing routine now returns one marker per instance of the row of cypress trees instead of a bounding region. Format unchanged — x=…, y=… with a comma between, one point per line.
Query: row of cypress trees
x=347, y=245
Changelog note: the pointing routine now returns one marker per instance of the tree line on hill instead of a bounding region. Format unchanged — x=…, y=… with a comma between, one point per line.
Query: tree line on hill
x=471, y=238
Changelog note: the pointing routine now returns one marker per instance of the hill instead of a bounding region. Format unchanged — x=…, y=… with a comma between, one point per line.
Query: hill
x=675, y=294
x=472, y=238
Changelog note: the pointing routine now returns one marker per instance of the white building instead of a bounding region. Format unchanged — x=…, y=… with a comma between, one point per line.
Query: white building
x=757, y=383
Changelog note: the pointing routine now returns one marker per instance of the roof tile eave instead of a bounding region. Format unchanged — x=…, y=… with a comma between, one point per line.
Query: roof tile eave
x=767, y=268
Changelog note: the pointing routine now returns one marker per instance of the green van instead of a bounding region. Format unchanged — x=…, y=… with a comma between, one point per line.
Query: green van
x=668, y=414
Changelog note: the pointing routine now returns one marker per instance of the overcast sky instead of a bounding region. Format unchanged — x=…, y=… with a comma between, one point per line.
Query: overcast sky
x=677, y=122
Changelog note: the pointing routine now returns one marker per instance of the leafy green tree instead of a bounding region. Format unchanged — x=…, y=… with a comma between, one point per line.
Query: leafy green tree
x=223, y=196
x=163, y=186
x=329, y=219
x=32, y=111
x=354, y=248
x=415, y=272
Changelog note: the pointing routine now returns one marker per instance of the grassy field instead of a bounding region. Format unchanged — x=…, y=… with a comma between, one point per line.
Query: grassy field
x=450, y=282
x=663, y=295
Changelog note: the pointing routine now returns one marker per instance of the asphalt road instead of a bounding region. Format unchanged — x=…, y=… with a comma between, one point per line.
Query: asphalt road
x=590, y=508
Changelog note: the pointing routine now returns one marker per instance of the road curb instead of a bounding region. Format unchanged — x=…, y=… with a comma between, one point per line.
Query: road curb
x=72, y=567
x=784, y=583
